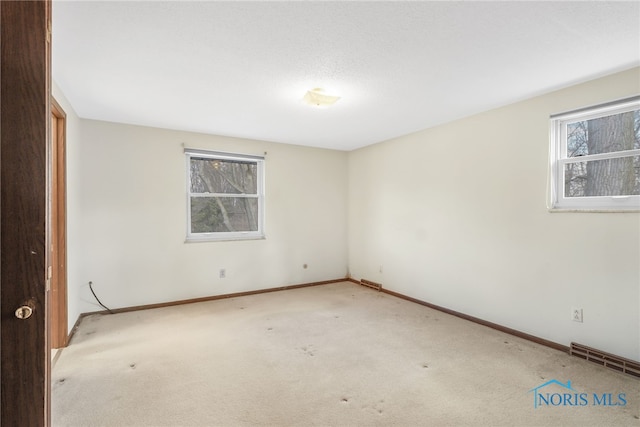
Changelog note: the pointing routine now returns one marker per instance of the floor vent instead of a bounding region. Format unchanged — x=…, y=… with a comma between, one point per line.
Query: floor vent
x=605, y=359
x=370, y=284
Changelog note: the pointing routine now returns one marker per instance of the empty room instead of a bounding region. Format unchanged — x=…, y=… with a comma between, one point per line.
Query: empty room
x=342, y=214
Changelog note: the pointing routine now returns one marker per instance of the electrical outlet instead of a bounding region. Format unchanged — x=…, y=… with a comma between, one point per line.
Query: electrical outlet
x=576, y=314
x=223, y=273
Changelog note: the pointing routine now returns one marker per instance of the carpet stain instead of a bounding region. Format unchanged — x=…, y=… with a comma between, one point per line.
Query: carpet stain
x=425, y=366
x=375, y=408
x=269, y=329
x=308, y=350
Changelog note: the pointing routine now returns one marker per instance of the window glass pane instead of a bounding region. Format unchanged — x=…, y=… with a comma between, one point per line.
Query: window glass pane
x=223, y=214
x=223, y=176
x=617, y=132
x=609, y=177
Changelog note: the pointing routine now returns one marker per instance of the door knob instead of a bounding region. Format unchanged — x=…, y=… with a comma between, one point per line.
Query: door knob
x=24, y=312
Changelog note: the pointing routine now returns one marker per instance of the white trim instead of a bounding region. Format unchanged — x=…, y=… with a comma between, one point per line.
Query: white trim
x=224, y=237
x=613, y=107
x=208, y=154
x=600, y=156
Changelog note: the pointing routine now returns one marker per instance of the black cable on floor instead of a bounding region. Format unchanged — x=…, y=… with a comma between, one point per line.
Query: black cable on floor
x=98, y=299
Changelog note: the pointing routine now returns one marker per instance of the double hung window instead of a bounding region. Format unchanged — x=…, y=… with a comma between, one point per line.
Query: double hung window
x=225, y=196
x=595, y=157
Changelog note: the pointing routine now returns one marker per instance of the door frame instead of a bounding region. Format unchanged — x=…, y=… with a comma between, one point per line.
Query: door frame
x=58, y=291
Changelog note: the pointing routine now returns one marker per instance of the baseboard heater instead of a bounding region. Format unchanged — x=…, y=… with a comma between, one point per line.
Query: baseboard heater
x=605, y=359
x=370, y=284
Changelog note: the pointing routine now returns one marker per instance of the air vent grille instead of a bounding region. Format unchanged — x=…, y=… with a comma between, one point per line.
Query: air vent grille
x=370, y=284
x=605, y=359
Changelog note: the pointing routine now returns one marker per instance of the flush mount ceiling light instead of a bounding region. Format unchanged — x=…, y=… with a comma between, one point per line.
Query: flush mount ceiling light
x=317, y=97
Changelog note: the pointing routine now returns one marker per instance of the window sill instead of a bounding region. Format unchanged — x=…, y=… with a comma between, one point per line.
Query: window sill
x=224, y=238
x=594, y=210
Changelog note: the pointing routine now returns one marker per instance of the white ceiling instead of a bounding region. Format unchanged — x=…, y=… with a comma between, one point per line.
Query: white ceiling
x=241, y=68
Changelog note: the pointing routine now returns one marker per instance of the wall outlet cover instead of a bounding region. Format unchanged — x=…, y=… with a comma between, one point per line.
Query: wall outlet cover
x=576, y=314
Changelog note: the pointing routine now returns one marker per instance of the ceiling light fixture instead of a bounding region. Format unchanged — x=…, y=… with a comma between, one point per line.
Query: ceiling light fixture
x=317, y=97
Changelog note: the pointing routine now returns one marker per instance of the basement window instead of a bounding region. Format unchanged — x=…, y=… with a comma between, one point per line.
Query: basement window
x=595, y=158
x=225, y=196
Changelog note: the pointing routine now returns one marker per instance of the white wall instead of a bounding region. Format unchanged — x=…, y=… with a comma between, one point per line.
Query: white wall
x=73, y=209
x=128, y=234
x=456, y=216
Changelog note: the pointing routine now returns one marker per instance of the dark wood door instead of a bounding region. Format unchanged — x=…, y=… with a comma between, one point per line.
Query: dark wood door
x=24, y=175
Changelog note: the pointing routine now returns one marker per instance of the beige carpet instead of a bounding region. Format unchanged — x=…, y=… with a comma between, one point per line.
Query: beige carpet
x=331, y=355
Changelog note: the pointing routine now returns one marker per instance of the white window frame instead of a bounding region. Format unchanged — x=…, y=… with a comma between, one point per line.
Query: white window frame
x=558, y=159
x=234, y=235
